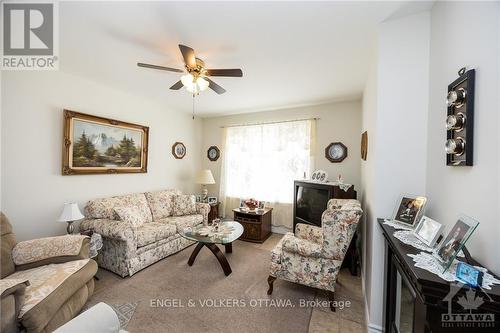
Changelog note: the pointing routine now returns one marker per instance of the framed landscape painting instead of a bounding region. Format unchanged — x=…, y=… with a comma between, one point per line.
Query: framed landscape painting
x=97, y=145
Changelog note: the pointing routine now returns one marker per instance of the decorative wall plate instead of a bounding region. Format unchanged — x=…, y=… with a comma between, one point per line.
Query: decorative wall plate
x=213, y=153
x=336, y=152
x=319, y=176
x=179, y=150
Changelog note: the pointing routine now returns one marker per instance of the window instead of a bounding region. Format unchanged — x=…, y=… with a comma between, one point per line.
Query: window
x=261, y=161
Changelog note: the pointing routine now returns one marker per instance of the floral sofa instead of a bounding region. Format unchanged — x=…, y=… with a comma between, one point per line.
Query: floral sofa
x=313, y=255
x=140, y=229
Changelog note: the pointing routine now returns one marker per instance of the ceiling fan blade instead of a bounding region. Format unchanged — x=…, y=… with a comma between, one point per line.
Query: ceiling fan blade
x=236, y=72
x=178, y=85
x=163, y=68
x=215, y=87
x=188, y=55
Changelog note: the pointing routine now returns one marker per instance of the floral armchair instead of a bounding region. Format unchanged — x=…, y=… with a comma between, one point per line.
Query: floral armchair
x=313, y=255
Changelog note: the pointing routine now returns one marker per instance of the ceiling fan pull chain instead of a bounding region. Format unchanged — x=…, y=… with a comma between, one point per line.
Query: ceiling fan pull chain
x=193, y=106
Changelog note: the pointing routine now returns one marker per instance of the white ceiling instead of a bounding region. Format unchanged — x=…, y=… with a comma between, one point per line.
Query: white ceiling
x=291, y=54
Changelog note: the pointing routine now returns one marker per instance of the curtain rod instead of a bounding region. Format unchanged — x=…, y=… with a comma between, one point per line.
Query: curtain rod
x=270, y=122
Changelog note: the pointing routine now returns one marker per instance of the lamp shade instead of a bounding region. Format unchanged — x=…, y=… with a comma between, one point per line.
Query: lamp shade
x=205, y=177
x=70, y=212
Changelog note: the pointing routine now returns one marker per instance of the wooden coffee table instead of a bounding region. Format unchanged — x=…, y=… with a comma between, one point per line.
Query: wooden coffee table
x=231, y=231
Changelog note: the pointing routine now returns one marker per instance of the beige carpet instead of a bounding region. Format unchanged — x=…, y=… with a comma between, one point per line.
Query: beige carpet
x=172, y=281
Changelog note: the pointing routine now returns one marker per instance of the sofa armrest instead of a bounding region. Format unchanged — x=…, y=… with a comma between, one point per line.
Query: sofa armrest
x=309, y=233
x=203, y=209
x=12, y=299
x=49, y=250
x=12, y=286
x=114, y=229
x=303, y=247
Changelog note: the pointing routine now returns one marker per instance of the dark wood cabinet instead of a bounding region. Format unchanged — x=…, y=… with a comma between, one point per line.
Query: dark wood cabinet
x=256, y=226
x=214, y=212
x=418, y=301
x=311, y=199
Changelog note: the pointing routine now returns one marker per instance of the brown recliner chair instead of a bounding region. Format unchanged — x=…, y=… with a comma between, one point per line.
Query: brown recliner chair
x=45, y=282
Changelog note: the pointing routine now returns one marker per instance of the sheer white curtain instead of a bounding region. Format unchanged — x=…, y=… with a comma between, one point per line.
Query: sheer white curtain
x=262, y=161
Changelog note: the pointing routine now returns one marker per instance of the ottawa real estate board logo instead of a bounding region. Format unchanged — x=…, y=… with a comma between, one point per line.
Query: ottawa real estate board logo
x=30, y=35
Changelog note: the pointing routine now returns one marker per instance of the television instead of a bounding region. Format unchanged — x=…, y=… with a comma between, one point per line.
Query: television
x=310, y=203
x=311, y=199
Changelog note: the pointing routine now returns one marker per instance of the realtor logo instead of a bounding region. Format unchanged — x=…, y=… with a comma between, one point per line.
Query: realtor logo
x=29, y=36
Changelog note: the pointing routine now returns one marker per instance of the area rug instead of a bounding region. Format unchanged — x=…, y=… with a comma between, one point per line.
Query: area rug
x=123, y=311
x=174, y=297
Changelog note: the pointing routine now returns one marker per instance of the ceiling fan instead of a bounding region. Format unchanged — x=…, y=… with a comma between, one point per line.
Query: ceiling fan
x=197, y=77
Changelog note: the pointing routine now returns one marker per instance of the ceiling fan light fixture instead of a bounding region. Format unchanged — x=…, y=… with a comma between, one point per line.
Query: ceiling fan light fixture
x=202, y=83
x=187, y=80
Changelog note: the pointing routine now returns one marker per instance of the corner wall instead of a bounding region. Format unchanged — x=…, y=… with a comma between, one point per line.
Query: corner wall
x=33, y=189
x=397, y=161
x=474, y=190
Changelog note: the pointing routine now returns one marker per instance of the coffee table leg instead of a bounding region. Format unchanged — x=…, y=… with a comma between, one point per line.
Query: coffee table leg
x=229, y=247
x=220, y=257
x=195, y=253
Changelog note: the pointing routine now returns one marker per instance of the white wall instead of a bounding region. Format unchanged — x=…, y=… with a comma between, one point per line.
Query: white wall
x=338, y=122
x=33, y=189
x=473, y=191
x=367, y=197
x=397, y=164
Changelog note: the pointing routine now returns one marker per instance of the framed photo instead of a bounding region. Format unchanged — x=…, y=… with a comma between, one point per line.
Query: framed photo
x=409, y=209
x=97, y=145
x=262, y=204
x=428, y=231
x=198, y=198
x=213, y=153
x=455, y=240
x=212, y=200
x=178, y=150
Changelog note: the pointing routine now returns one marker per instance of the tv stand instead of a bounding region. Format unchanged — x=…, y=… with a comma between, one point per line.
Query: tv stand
x=317, y=205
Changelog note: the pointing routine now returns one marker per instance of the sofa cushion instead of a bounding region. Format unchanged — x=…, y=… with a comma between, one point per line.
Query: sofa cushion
x=161, y=203
x=50, y=301
x=153, y=232
x=184, y=205
x=131, y=215
x=180, y=222
x=104, y=208
x=44, y=280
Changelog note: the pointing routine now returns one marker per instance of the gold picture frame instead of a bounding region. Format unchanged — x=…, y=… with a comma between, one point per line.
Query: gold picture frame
x=98, y=145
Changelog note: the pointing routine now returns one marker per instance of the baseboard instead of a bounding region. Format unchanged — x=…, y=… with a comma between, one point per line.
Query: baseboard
x=372, y=328
x=279, y=229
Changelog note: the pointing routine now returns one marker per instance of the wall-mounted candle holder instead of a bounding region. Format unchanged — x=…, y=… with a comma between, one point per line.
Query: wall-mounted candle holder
x=460, y=119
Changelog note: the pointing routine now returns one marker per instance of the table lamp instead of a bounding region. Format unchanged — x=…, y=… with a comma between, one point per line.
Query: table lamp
x=70, y=214
x=204, y=178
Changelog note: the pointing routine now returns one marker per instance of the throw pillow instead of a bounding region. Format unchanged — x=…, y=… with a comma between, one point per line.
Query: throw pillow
x=184, y=205
x=161, y=203
x=131, y=214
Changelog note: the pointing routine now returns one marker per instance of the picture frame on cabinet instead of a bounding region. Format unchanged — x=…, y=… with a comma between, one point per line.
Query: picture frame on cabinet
x=428, y=231
x=409, y=210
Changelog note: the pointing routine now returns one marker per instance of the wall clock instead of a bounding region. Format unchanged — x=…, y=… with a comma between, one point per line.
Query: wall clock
x=213, y=153
x=336, y=152
x=179, y=150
